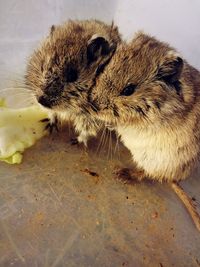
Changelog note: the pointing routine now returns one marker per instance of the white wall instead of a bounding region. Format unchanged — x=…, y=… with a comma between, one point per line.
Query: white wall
x=24, y=22
x=173, y=21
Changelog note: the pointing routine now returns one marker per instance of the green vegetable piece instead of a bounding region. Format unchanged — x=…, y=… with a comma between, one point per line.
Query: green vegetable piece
x=19, y=129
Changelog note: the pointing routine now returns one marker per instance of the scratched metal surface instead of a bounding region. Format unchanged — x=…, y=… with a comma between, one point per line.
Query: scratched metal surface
x=53, y=212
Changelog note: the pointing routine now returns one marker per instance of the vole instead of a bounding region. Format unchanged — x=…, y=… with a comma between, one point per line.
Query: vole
x=150, y=95
x=64, y=67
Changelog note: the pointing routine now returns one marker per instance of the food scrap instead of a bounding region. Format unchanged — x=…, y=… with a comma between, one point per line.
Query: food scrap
x=19, y=129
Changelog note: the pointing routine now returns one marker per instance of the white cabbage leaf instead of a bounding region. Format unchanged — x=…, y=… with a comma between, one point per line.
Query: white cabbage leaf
x=19, y=129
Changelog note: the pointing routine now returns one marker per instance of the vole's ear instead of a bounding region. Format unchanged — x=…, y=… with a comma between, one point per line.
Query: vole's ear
x=53, y=27
x=97, y=47
x=171, y=68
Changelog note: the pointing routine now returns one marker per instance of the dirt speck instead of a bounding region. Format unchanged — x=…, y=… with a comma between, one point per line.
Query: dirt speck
x=94, y=175
x=154, y=215
x=35, y=196
x=115, y=249
x=91, y=197
x=91, y=173
x=36, y=220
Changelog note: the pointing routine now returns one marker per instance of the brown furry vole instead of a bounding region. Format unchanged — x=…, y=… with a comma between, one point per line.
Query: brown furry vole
x=65, y=66
x=150, y=95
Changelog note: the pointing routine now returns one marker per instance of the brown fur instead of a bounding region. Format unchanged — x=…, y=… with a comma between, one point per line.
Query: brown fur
x=170, y=109
x=65, y=53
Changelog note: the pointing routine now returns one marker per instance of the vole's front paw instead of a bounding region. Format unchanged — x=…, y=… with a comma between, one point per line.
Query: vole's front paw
x=74, y=141
x=130, y=176
x=123, y=174
x=81, y=139
x=52, y=124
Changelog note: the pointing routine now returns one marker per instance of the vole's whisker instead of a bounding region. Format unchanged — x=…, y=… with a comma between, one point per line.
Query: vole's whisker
x=27, y=101
x=111, y=145
x=24, y=95
x=108, y=156
x=17, y=89
x=21, y=96
x=117, y=146
x=101, y=140
x=105, y=138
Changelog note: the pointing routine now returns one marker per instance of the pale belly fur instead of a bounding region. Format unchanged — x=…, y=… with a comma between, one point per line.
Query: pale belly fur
x=159, y=152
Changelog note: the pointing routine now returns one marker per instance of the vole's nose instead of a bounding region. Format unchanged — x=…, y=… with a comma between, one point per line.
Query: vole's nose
x=99, y=104
x=44, y=101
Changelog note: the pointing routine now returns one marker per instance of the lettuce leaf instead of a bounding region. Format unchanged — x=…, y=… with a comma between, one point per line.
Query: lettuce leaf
x=19, y=129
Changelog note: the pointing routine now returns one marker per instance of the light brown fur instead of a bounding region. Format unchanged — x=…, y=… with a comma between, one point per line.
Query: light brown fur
x=64, y=67
x=157, y=111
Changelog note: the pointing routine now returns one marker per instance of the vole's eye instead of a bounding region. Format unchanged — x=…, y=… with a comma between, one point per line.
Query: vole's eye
x=70, y=75
x=128, y=90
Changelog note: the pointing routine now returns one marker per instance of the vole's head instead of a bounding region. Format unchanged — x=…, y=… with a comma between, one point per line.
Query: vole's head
x=141, y=82
x=65, y=66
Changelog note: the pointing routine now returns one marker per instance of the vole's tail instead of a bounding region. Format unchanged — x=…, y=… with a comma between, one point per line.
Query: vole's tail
x=188, y=203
